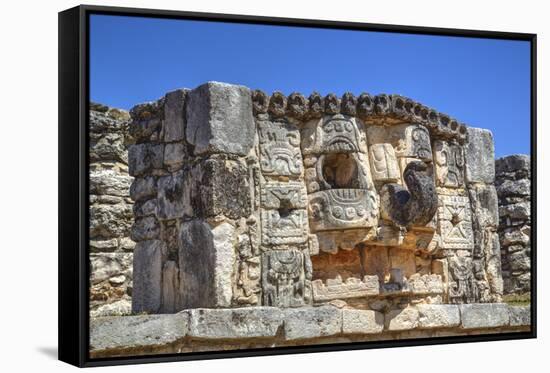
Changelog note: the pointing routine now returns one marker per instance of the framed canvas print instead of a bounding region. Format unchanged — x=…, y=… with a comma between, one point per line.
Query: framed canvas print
x=234, y=186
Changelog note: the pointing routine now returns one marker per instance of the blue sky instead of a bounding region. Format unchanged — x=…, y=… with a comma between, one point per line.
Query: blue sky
x=481, y=82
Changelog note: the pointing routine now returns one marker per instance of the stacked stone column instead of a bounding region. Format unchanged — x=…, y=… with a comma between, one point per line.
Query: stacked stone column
x=192, y=194
x=513, y=180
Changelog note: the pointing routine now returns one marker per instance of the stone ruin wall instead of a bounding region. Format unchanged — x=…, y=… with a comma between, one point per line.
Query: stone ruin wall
x=513, y=183
x=244, y=199
x=276, y=221
x=111, y=215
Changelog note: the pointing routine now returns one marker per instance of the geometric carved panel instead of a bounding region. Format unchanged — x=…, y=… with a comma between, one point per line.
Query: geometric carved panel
x=455, y=222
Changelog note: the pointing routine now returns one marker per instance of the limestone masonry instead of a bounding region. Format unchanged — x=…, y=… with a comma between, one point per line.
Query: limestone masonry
x=276, y=220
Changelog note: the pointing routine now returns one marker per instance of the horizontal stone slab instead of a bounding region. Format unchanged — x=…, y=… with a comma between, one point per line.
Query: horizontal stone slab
x=247, y=322
x=520, y=315
x=362, y=321
x=136, y=331
x=484, y=315
x=276, y=326
x=312, y=322
x=438, y=316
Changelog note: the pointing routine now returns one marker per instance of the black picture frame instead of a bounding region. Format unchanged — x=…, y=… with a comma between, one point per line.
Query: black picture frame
x=74, y=268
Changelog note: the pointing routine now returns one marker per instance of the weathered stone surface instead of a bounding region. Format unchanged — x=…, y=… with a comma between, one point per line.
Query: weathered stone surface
x=520, y=211
x=146, y=228
x=480, y=315
x=438, y=316
x=107, y=265
x=174, y=115
x=219, y=119
x=234, y=323
x=513, y=163
x=206, y=262
x=108, y=221
x=520, y=315
x=518, y=188
x=484, y=202
x=142, y=158
x=174, y=156
x=404, y=319
x=173, y=196
x=170, y=287
x=109, y=182
x=351, y=288
x=220, y=187
x=146, y=208
x=449, y=164
x=119, y=308
x=312, y=322
x=455, y=221
x=362, y=321
x=136, y=331
x=147, y=284
x=143, y=188
x=480, y=156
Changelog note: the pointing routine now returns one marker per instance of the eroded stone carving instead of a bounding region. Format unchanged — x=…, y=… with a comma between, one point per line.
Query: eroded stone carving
x=286, y=278
x=415, y=205
x=455, y=222
x=371, y=188
x=449, y=164
x=279, y=148
x=351, y=288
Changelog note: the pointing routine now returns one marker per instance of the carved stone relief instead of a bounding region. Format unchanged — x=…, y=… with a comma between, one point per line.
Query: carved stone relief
x=333, y=134
x=449, y=164
x=286, y=277
x=463, y=287
x=279, y=149
x=455, y=222
x=284, y=226
x=351, y=288
x=384, y=164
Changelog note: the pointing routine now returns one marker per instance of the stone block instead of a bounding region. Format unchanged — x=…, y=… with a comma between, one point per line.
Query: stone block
x=219, y=119
x=143, y=158
x=520, y=315
x=362, y=321
x=519, y=211
x=146, y=228
x=174, y=156
x=312, y=322
x=145, y=208
x=143, y=188
x=513, y=163
x=174, y=115
x=480, y=156
x=109, y=182
x=484, y=202
x=404, y=319
x=206, y=262
x=438, y=316
x=110, y=221
x=173, y=196
x=136, y=331
x=170, y=288
x=484, y=315
x=248, y=322
x=147, y=282
x=104, y=266
x=220, y=187
x=514, y=188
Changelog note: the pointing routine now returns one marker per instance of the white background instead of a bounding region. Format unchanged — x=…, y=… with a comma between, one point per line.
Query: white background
x=28, y=184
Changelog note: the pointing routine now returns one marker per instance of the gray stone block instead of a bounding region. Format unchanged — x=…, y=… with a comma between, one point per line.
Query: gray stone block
x=484, y=202
x=480, y=156
x=174, y=115
x=362, y=321
x=174, y=156
x=513, y=163
x=220, y=187
x=136, y=331
x=438, y=316
x=484, y=315
x=312, y=322
x=146, y=228
x=520, y=315
x=206, y=262
x=249, y=322
x=173, y=196
x=143, y=158
x=147, y=284
x=404, y=319
x=143, y=188
x=219, y=119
